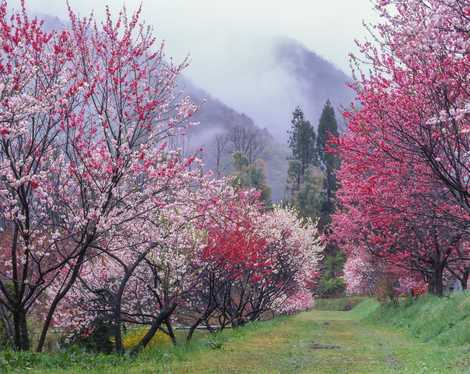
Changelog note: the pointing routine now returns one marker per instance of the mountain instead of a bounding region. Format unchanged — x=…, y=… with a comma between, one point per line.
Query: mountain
x=216, y=119
x=214, y=116
x=268, y=78
x=287, y=75
x=51, y=22
x=315, y=79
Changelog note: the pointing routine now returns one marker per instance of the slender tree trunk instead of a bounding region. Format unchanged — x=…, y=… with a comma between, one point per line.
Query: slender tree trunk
x=117, y=332
x=21, y=336
x=464, y=280
x=118, y=303
x=192, y=329
x=436, y=286
x=58, y=297
x=164, y=314
x=171, y=333
x=20, y=327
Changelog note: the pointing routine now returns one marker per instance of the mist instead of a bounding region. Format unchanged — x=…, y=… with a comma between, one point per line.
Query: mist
x=230, y=45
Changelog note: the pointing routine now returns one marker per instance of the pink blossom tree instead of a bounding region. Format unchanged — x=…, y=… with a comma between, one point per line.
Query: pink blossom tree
x=405, y=172
x=141, y=273
x=260, y=263
x=86, y=113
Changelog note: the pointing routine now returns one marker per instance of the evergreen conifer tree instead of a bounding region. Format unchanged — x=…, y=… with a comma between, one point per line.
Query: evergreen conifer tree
x=331, y=282
x=302, y=142
x=329, y=162
x=312, y=183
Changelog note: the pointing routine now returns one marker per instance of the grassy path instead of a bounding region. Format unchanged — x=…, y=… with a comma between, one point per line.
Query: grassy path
x=322, y=342
x=316, y=342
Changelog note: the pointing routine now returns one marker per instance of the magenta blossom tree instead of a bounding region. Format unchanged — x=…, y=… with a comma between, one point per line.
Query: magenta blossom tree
x=404, y=180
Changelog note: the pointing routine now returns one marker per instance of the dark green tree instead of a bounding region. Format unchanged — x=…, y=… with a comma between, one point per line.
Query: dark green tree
x=329, y=161
x=313, y=185
x=327, y=129
x=309, y=198
x=302, y=141
x=240, y=162
x=294, y=178
x=251, y=175
x=331, y=283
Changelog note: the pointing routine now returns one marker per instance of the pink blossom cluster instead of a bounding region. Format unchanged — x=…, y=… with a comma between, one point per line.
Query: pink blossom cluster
x=300, y=301
x=405, y=174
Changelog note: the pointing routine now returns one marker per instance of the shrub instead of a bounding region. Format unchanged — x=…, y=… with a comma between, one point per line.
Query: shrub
x=133, y=337
x=99, y=339
x=5, y=342
x=331, y=284
x=330, y=287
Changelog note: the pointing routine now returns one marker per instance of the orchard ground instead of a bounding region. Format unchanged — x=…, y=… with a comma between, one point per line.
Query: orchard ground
x=425, y=336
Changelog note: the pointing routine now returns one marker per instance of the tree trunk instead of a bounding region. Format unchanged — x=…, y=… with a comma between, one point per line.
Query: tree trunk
x=435, y=285
x=464, y=280
x=118, y=334
x=21, y=337
x=60, y=295
x=164, y=314
x=192, y=329
x=170, y=331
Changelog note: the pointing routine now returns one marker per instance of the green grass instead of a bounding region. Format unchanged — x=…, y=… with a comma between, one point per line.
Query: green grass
x=369, y=339
x=338, y=304
x=432, y=319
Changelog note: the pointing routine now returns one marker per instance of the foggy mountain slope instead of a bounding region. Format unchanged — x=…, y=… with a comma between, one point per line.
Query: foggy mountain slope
x=316, y=78
x=213, y=114
x=267, y=78
x=216, y=118
x=287, y=76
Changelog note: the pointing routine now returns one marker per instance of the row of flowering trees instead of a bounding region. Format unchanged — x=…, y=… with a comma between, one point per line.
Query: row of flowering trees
x=211, y=261
x=100, y=218
x=405, y=196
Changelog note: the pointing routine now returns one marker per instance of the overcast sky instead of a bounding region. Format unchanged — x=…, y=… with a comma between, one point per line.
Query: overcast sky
x=215, y=32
